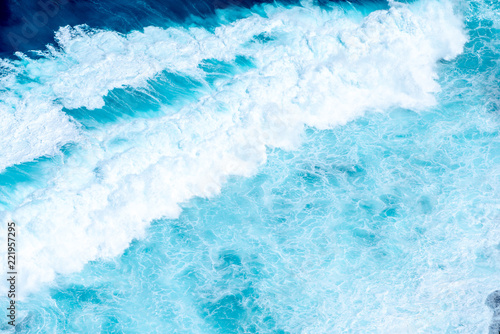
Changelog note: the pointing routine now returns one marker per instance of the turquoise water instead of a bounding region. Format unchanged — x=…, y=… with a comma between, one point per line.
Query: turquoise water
x=302, y=170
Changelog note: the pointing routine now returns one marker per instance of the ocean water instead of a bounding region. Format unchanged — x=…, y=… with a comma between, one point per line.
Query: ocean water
x=244, y=167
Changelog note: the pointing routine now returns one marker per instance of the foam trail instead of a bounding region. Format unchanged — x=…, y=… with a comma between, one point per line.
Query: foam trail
x=311, y=67
x=31, y=127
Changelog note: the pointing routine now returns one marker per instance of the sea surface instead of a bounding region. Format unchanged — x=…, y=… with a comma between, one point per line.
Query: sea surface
x=239, y=166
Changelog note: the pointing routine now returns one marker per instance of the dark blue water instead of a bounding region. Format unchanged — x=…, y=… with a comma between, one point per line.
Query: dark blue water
x=30, y=25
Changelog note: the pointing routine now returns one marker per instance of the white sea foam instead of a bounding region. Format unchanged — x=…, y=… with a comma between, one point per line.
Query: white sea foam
x=319, y=68
x=31, y=126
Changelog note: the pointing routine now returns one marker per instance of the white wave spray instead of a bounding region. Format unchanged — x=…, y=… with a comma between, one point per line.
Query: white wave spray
x=314, y=68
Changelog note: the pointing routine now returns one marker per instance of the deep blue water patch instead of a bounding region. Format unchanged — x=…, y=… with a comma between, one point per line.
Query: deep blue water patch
x=18, y=180
x=30, y=24
x=121, y=104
